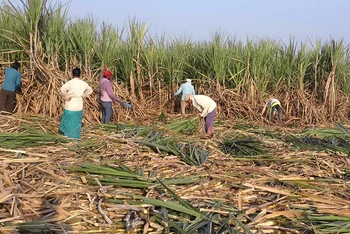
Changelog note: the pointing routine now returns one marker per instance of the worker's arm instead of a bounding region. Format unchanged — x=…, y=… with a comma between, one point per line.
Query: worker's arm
x=110, y=93
x=87, y=91
x=18, y=82
x=64, y=92
x=263, y=111
x=179, y=90
x=205, y=110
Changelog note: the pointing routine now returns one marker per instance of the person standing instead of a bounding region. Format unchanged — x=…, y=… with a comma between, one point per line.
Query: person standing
x=274, y=105
x=73, y=93
x=107, y=96
x=186, y=88
x=12, y=83
x=206, y=106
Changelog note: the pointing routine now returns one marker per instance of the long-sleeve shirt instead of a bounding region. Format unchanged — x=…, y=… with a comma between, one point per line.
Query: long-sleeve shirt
x=106, y=91
x=203, y=103
x=186, y=88
x=12, y=81
x=75, y=89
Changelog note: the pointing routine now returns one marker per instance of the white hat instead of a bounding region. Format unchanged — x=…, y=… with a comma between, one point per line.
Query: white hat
x=188, y=80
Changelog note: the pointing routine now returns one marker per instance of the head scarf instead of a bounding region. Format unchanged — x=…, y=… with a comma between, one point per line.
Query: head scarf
x=107, y=73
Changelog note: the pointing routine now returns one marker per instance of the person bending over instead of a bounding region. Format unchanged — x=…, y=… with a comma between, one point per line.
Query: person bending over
x=274, y=105
x=206, y=106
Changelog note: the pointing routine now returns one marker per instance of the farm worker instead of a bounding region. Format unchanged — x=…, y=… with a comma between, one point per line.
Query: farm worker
x=206, y=106
x=274, y=105
x=73, y=93
x=107, y=96
x=186, y=88
x=12, y=83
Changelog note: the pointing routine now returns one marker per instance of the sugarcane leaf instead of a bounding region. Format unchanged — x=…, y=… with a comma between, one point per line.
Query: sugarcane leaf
x=183, y=202
x=342, y=128
x=173, y=225
x=104, y=170
x=140, y=200
x=245, y=228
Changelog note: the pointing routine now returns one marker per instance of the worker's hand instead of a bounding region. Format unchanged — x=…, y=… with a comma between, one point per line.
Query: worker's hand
x=19, y=91
x=68, y=99
x=199, y=115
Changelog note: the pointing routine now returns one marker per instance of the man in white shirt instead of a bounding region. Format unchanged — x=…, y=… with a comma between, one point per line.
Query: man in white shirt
x=73, y=93
x=206, y=106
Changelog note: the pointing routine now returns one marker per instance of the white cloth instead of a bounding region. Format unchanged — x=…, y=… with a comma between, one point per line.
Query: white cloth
x=76, y=89
x=203, y=103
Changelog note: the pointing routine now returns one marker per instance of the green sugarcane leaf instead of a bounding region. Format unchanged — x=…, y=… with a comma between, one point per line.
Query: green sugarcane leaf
x=183, y=202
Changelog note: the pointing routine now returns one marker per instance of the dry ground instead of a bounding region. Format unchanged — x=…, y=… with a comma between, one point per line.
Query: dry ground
x=278, y=192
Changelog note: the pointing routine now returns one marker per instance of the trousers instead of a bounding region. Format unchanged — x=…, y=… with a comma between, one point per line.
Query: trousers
x=106, y=112
x=7, y=100
x=183, y=107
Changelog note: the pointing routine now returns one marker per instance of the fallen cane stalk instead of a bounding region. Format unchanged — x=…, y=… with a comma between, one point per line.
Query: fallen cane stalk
x=145, y=228
x=15, y=151
x=108, y=220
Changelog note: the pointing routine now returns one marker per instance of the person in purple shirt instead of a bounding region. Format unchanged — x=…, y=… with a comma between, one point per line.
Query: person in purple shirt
x=11, y=85
x=107, y=96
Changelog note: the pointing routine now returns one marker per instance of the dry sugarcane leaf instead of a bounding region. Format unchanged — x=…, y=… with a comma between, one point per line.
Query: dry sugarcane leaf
x=269, y=189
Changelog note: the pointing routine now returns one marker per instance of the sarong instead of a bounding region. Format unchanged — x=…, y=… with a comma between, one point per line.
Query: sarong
x=70, y=125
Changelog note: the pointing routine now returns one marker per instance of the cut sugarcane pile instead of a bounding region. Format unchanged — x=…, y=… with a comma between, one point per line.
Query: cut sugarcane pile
x=186, y=126
x=112, y=181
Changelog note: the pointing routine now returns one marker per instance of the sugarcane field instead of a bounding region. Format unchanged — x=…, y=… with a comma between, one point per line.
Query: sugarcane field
x=260, y=143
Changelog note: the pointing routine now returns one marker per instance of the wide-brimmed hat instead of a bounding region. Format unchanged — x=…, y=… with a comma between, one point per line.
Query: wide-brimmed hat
x=188, y=80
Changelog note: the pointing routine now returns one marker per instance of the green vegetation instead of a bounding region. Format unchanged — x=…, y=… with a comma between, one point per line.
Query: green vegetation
x=30, y=139
x=310, y=75
x=165, y=177
x=186, y=126
x=238, y=145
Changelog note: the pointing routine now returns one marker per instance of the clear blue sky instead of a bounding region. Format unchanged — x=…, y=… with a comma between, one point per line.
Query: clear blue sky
x=276, y=19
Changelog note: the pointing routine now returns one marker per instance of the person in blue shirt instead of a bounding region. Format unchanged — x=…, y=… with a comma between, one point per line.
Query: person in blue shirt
x=11, y=84
x=186, y=88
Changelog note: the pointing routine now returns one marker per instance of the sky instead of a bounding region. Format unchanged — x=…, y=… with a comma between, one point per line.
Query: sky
x=304, y=20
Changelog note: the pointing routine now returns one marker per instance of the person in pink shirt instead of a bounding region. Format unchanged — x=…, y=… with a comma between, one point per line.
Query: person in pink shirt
x=107, y=96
